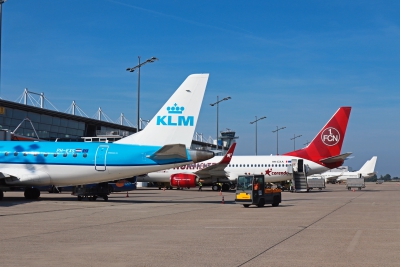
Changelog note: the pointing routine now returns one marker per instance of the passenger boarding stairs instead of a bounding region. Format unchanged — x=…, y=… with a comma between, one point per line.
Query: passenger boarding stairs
x=299, y=178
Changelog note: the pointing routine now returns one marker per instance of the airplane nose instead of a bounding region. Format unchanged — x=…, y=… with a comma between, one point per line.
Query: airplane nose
x=200, y=155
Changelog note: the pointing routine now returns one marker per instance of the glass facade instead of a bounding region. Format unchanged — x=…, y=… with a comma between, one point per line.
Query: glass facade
x=47, y=127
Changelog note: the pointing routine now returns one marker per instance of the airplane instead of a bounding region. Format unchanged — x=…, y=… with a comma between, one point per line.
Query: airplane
x=333, y=176
x=163, y=144
x=322, y=154
x=185, y=176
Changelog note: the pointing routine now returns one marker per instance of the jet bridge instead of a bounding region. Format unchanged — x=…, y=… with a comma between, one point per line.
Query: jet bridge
x=299, y=175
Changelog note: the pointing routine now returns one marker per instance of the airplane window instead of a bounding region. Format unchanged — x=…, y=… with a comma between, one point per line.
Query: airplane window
x=55, y=155
x=247, y=165
x=25, y=154
x=84, y=155
x=15, y=153
x=35, y=154
x=276, y=165
x=251, y=165
x=240, y=165
x=65, y=155
x=6, y=154
x=258, y=165
x=45, y=154
x=279, y=165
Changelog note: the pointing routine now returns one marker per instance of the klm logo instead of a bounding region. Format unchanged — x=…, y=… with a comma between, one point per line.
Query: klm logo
x=175, y=118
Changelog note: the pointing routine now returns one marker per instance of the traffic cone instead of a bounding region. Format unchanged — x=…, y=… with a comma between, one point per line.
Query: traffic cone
x=354, y=190
x=220, y=192
x=223, y=200
x=163, y=188
x=127, y=195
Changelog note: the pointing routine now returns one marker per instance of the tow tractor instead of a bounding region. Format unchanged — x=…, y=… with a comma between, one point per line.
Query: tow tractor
x=252, y=190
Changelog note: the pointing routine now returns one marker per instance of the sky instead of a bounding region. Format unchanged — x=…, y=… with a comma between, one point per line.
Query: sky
x=295, y=62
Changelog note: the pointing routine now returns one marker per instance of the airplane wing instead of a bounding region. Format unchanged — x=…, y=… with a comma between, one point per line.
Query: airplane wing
x=338, y=158
x=14, y=175
x=219, y=168
x=175, y=151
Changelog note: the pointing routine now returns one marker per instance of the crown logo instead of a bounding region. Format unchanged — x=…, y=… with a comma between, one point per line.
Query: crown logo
x=175, y=109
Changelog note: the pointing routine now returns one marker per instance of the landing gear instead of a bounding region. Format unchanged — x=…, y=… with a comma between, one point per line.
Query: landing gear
x=32, y=193
x=225, y=187
x=54, y=189
x=216, y=187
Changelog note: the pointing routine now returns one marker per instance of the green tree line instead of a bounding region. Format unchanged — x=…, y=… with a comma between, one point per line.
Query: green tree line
x=386, y=177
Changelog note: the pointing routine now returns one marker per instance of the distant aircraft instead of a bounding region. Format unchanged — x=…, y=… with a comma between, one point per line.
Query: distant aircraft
x=207, y=172
x=322, y=154
x=366, y=171
x=163, y=144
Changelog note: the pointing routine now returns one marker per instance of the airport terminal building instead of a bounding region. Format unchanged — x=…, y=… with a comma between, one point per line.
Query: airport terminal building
x=39, y=123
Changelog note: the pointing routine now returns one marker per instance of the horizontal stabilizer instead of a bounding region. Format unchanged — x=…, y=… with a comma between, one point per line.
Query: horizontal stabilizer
x=335, y=159
x=176, y=151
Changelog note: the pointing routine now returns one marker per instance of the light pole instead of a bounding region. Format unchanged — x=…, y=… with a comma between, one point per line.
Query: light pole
x=256, y=128
x=277, y=130
x=1, y=18
x=294, y=140
x=150, y=60
x=216, y=103
x=306, y=144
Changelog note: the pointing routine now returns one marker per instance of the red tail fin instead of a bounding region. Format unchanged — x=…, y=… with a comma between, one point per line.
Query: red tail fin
x=329, y=140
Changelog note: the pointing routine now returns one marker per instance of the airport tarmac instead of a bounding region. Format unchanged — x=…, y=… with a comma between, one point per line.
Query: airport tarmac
x=152, y=227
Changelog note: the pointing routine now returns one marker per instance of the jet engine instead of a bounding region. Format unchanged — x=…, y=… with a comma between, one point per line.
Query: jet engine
x=183, y=180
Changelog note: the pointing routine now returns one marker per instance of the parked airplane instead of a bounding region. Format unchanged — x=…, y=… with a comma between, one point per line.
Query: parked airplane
x=189, y=175
x=322, y=154
x=163, y=144
x=366, y=171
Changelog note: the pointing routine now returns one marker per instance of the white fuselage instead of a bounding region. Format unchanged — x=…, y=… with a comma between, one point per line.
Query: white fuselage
x=275, y=168
x=342, y=176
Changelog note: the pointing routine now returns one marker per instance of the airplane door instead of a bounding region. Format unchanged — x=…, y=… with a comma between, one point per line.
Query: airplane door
x=100, y=158
x=300, y=165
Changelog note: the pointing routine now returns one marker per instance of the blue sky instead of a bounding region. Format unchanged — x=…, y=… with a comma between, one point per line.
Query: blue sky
x=295, y=62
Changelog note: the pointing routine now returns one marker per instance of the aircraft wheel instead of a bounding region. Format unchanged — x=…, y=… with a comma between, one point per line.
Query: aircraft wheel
x=105, y=198
x=225, y=187
x=261, y=203
x=35, y=193
x=80, y=198
x=1, y=194
x=233, y=186
x=275, y=202
x=215, y=187
x=246, y=205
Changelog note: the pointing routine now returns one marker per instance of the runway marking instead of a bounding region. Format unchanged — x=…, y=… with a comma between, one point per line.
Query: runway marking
x=354, y=242
x=298, y=232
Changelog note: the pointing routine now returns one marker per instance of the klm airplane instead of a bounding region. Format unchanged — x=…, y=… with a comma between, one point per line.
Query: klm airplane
x=163, y=144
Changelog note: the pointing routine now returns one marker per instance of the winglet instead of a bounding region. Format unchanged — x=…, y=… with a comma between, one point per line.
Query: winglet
x=228, y=156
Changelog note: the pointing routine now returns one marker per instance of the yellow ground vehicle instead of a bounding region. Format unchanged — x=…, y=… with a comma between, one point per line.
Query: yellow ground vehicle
x=252, y=190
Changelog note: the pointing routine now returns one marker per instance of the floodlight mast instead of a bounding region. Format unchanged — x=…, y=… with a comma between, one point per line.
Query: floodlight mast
x=277, y=130
x=150, y=60
x=1, y=19
x=256, y=128
x=216, y=103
